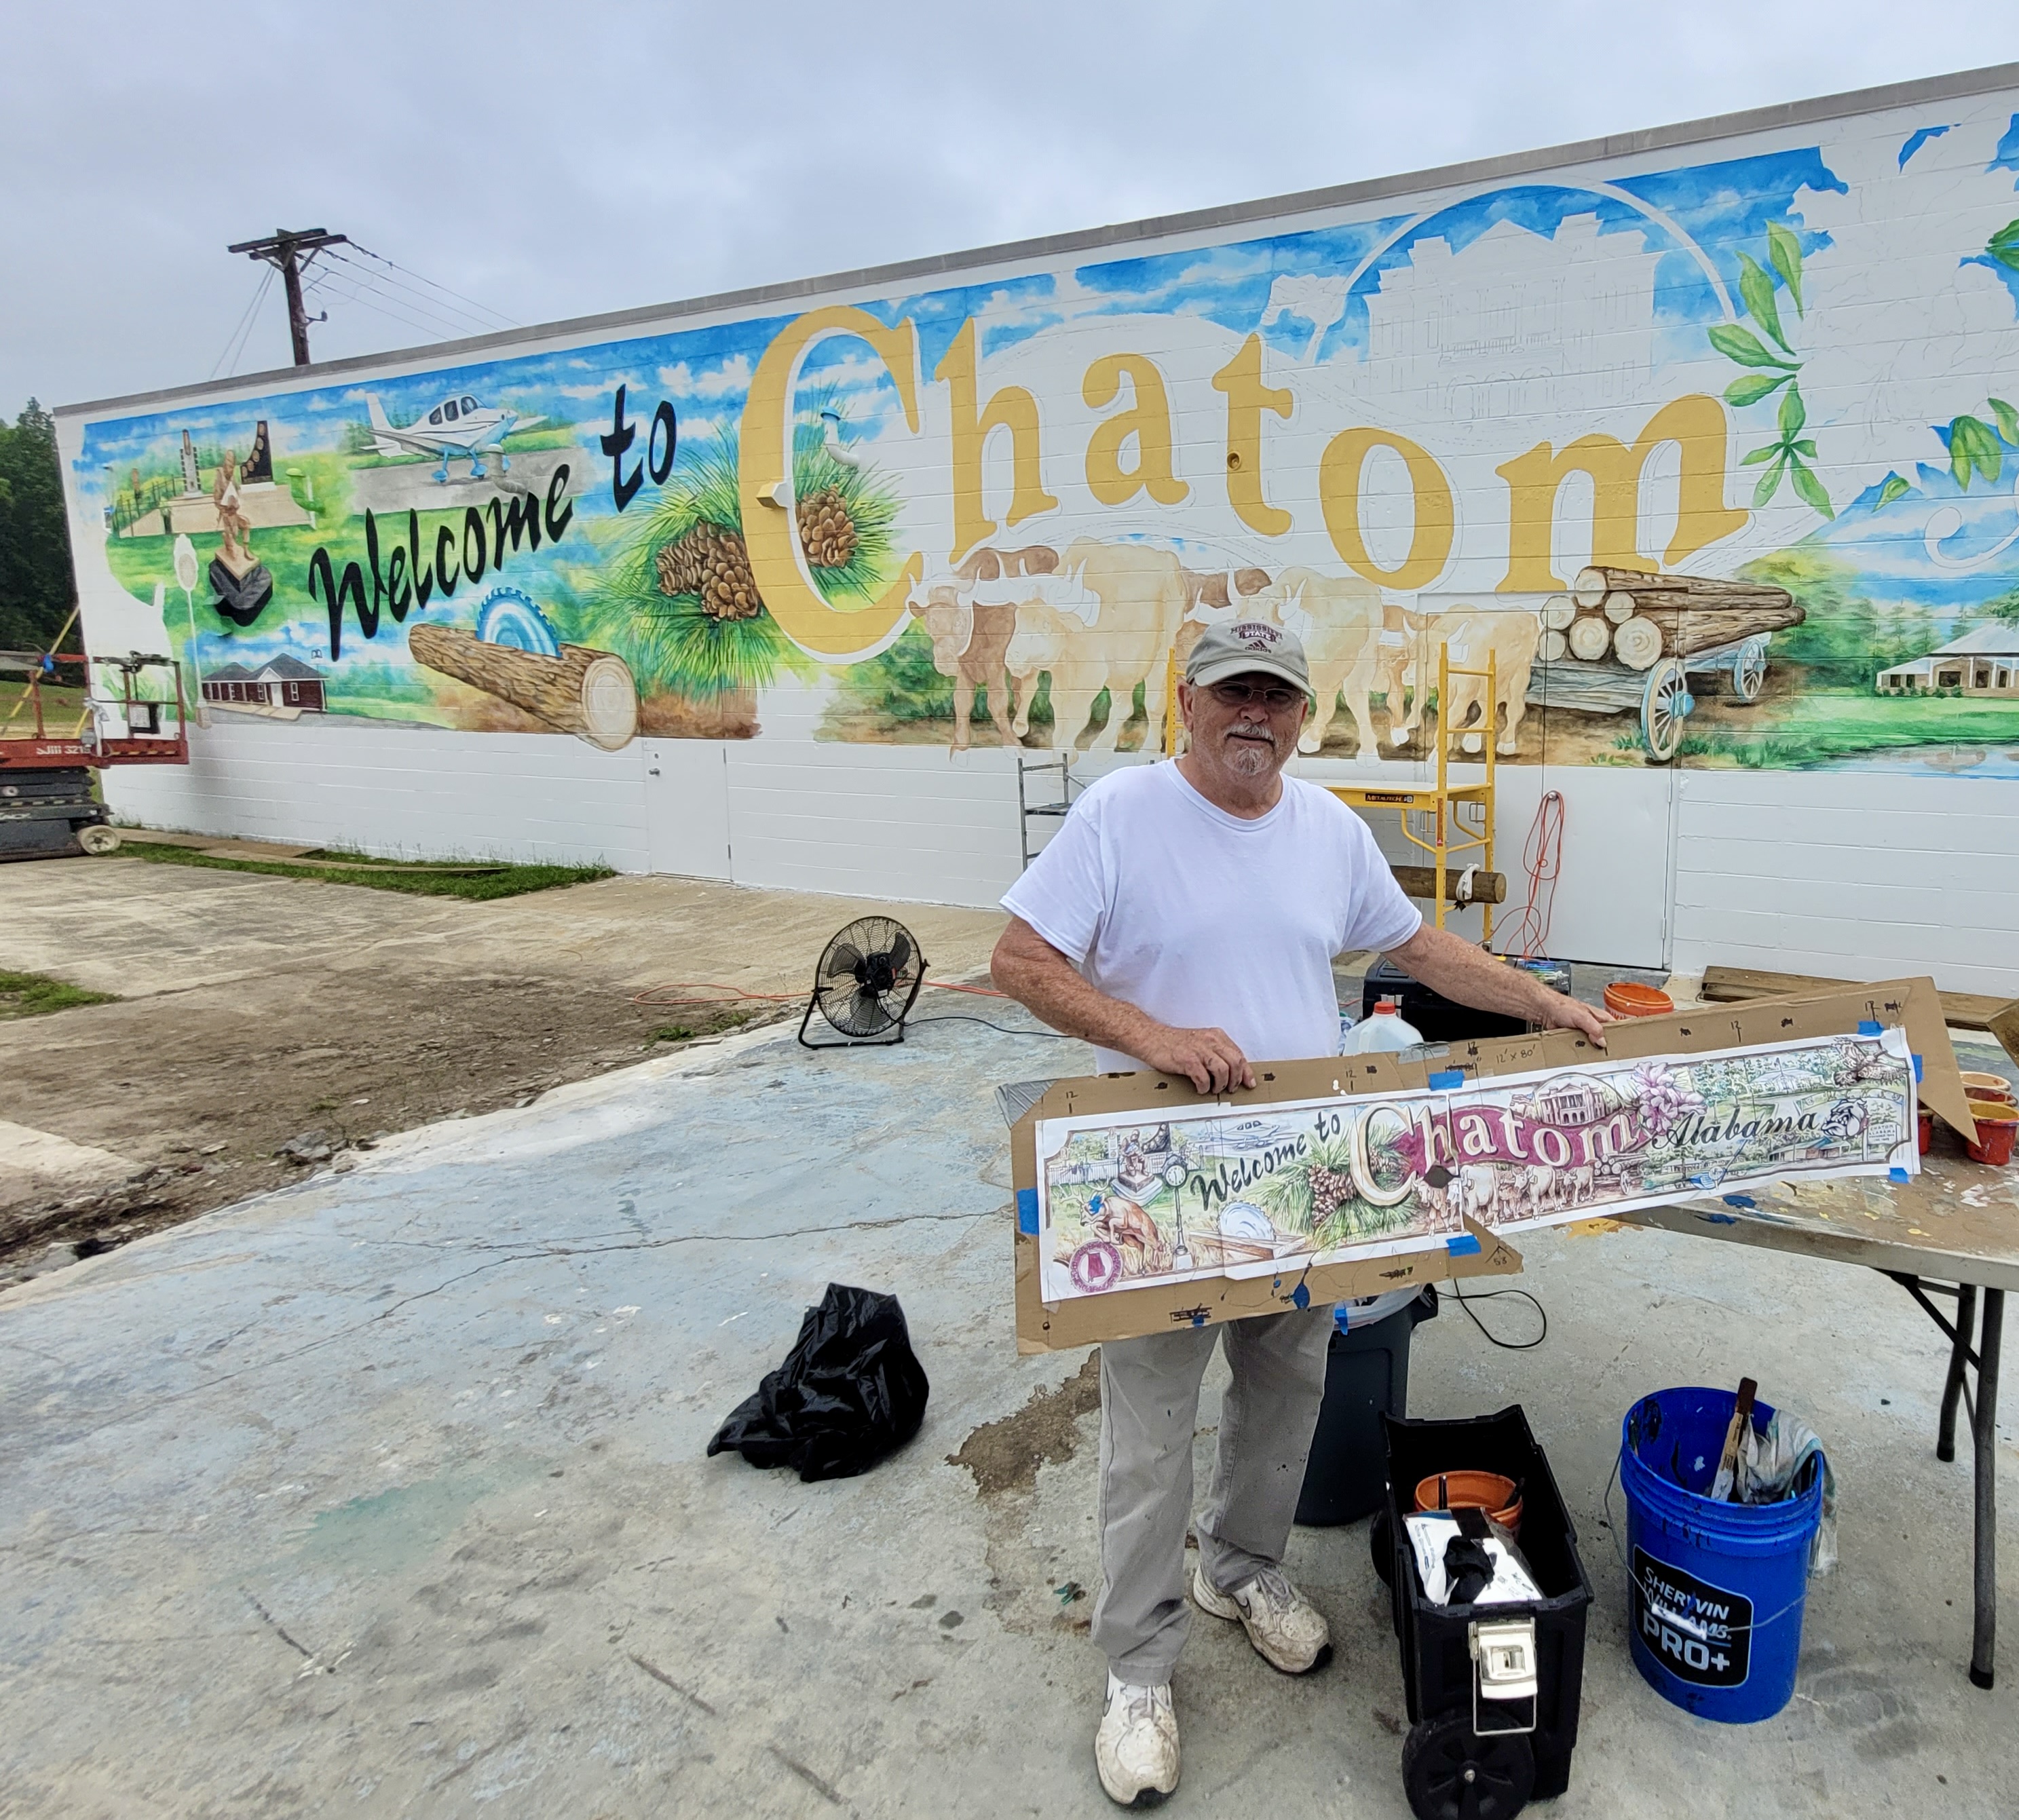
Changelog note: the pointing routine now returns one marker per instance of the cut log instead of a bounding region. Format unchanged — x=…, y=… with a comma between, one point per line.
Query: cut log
x=1638, y=643
x=587, y=693
x=1590, y=636
x=1558, y=611
x=1422, y=881
x=1554, y=648
x=1618, y=606
x=1701, y=590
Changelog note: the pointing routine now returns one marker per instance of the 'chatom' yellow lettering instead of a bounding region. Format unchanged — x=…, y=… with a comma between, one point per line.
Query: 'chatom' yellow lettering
x=1013, y=409
x=1247, y=398
x=1696, y=423
x=1148, y=420
x=784, y=583
x=1339, y=497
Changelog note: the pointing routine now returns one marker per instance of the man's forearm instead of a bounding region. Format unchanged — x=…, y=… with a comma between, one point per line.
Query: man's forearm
x=1066, y=1002
x=1469, y=976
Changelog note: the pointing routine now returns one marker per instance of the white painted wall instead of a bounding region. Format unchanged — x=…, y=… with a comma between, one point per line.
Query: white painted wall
x=1855, y=876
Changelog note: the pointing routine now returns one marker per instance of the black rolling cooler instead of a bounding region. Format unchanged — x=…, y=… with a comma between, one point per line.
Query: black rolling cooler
x=1470, y=1756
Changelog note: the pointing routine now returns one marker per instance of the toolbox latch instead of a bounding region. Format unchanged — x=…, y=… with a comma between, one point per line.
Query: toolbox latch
x=1504, y=1669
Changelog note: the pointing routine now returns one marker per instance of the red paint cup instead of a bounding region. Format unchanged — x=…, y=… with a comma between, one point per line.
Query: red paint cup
x=1628, y=998
x=1996, y=1125
x=1927, y=1124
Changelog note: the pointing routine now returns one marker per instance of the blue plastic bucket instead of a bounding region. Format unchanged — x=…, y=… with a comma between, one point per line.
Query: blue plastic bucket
x=1715, y=1591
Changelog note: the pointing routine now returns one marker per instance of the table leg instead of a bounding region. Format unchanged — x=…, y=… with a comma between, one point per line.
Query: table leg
x=1965, y=1327
x=1984, y=1641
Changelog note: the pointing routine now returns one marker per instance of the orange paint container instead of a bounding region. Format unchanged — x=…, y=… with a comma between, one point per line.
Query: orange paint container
x=1997, y=1123
x=1624, y=998
x=1498, y=1496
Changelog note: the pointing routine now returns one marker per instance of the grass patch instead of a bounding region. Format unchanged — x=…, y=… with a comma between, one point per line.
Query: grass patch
x=1821, y=726
x=412, y=877
x=30, y=994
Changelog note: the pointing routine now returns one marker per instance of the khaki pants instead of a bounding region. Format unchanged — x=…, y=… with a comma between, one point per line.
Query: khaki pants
x=1149, y=1409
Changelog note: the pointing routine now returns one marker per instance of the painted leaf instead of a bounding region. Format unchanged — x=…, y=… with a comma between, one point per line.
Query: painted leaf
x=1743, y=345
x=2003, y=246
x=1794, y=413
x=1985, y=449
x=2008, y=420
x=1811, y=490
x=1960, y=451
x=1804, y=447
x=1766, y=452
x=1757, y=289
x=1785, y=251
x=1893, y=488
x=1754, y=386
x=1770, y=481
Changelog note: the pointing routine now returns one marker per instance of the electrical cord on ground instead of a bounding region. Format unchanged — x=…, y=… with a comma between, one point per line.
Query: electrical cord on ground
x=1466, y=1302
x=962, y=1017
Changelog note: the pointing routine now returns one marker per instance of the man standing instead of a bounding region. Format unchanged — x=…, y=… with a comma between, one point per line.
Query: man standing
x=1185, y=919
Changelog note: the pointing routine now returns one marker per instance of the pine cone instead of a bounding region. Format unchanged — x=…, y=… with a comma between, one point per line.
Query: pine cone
x=827, y=532
x=1328, y=1188
x=710, y=563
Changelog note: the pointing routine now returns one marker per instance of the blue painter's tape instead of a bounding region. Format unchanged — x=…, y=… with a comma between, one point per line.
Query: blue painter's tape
x=1719, y=1219
x=1898, y=1175
x=1464, y=1245
x=1026, y=1211
x=1342, y=1318
x=1740, y=1201
x=1868, y=1027
x=1300, y=1298
x=1448, y=1078
x=1199, y=1320
x=1917, y=1071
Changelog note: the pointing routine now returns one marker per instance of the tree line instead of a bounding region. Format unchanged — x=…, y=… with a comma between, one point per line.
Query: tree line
x=36, y=587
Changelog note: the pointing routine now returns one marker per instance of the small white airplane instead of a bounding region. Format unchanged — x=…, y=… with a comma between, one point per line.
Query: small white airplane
x=457, y=426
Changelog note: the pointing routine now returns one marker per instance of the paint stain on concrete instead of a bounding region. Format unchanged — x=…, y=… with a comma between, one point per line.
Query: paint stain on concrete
x=395, y=1528
x=1004, y=1455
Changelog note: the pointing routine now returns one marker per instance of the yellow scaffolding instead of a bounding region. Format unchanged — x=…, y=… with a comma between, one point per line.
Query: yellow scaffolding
x=1449, y=838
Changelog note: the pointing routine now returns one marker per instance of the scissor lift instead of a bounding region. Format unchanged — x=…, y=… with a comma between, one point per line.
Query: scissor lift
x=47, y=806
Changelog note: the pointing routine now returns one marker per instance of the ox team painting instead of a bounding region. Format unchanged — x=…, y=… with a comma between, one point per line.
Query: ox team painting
x=988, y=512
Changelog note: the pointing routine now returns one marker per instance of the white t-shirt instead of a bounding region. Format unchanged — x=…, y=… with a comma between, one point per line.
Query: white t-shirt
x=1201, y=918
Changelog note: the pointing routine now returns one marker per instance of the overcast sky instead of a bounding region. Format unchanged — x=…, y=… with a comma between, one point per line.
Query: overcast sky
x=548, y=160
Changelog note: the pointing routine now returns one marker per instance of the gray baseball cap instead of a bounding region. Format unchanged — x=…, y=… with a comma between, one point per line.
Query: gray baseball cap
x=1248, y=645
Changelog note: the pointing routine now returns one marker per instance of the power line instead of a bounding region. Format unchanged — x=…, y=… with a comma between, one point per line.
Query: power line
x=243, y=325
x=456, y=321
x=326, y=283
x=504, y=321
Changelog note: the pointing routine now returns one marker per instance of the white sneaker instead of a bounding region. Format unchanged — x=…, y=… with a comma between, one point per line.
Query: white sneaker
x=1288, y=1632
x=1136, y=1748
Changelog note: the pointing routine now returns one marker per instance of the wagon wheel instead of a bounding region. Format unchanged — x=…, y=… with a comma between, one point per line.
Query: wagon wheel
x=1665, y=706
x=1449, y=1774
x=1749, y=669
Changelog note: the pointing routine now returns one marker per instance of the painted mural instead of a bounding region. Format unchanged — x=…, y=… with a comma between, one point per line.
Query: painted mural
x=1719, y=461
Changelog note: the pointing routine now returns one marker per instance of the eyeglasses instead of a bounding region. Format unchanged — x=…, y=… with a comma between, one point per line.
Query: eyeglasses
x=1277, y=699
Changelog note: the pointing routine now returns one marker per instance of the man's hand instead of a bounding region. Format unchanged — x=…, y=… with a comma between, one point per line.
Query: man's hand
x=1469, y=976
x=1040, y=978
x=1210, y=1059
x=1564, y=1012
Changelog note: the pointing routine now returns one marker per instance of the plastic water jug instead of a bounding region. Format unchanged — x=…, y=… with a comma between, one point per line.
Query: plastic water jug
x=1383, y=1029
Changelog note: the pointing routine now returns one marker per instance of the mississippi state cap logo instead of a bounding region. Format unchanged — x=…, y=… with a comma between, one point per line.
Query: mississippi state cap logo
x=1256, y=634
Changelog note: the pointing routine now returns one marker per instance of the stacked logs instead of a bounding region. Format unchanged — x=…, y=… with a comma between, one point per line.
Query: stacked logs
x=1640, y=619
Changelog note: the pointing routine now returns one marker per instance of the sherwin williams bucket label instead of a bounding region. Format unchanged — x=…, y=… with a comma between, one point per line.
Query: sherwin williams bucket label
x=1699, y=1632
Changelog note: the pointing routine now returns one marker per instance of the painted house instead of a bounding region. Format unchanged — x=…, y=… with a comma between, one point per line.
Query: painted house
x=1983, y=662
x=285, y=683
x=794, y=587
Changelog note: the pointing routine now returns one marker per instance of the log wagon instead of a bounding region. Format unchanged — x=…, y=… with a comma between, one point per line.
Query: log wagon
x=1621, y=639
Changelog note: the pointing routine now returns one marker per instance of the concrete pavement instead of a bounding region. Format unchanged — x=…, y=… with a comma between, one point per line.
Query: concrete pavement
x=386, y=1495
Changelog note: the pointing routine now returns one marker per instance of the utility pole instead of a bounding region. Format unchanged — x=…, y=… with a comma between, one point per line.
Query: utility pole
x=289, y=253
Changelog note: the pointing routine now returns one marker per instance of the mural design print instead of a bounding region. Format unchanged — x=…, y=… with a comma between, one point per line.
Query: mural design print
x=1219, y=1193
x=1647, y=435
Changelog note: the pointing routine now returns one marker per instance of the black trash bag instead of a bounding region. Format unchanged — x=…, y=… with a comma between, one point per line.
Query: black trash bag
x=850, y=1391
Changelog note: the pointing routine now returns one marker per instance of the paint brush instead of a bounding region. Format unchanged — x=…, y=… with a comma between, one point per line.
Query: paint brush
x=1727, y=1465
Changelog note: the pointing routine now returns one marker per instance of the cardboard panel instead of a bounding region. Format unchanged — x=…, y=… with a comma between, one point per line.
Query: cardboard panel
x=1913, y=1005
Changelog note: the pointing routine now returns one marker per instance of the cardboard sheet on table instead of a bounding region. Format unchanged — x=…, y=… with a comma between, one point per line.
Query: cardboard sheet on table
x=1913, y=1005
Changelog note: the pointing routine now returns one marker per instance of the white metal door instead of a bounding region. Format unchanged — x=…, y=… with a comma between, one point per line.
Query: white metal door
x=687, y=807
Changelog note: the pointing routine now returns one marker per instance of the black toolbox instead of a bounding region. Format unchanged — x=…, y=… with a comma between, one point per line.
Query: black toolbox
x=1465, y=1756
